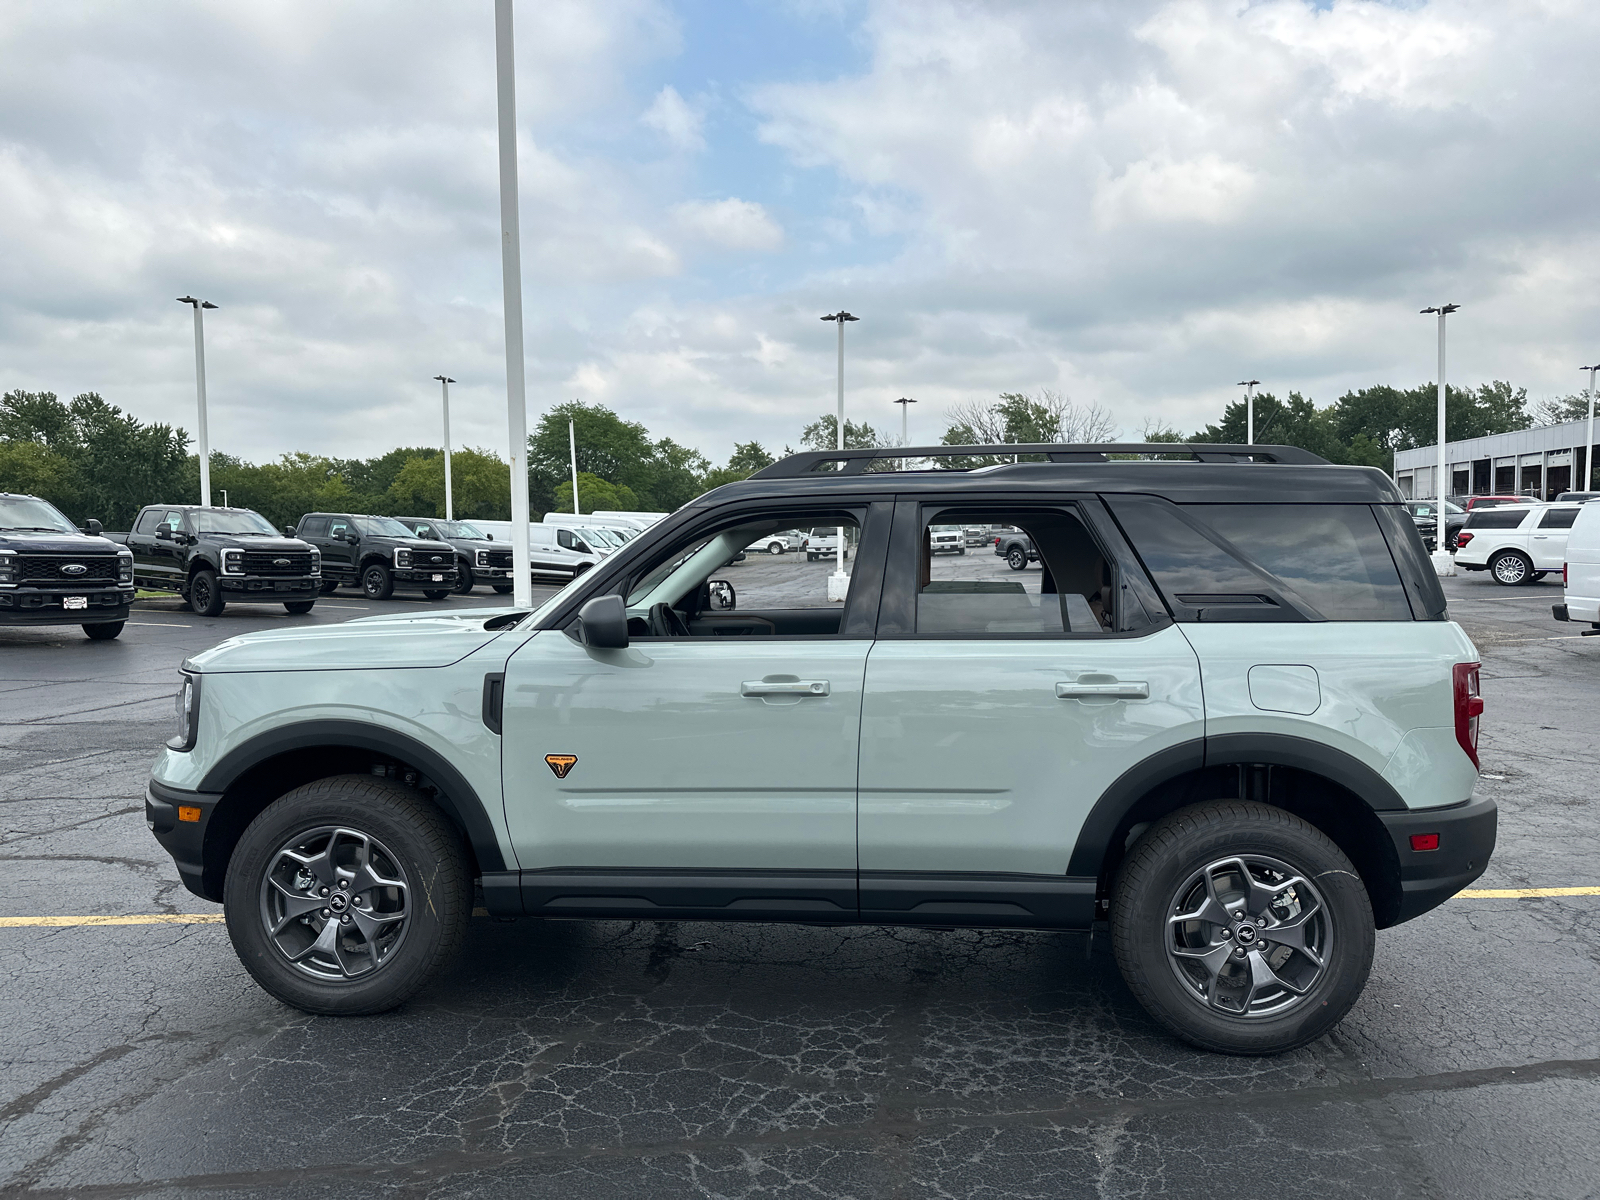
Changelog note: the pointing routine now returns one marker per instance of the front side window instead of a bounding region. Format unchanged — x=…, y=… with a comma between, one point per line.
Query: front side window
x=340, y=528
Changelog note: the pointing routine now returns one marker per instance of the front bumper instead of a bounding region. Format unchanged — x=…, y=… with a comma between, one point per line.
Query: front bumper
x=32, y=606
x=183, y=839
x=428, y=581
x=305, y=585
x=1430, y=877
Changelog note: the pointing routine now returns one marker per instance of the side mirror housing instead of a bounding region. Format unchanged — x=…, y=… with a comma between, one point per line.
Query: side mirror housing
x=289, y=531
x=488, y=537
x=94, y=527
x=163, y=534
x=603, y=623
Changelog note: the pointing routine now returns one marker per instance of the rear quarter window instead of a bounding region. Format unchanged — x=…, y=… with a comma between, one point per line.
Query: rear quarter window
x=1558, y=518
x=1508, y=517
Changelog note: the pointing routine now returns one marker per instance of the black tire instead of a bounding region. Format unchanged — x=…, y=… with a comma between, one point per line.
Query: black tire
x=205, y=597
x=329, y=586
x=103, y=631
x=962, y=550
x=1511, y=568
x=437, y=594
x=299, y=607
x=1017, y=558
x=505, y=589
x=1151, y=886
x=412, y=835
x=1537, y=575
x=775, y=547
x=580, y=569
x=465, y=580
x=376, y=582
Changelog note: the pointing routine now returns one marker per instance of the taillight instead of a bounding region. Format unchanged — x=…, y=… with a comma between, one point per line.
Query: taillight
x=1469, y=707
x=1463, y=538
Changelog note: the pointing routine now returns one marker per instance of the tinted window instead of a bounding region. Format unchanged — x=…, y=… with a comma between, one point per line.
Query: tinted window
x=314, y=527
x=1496, y=518
x=148, y=520
x=1558, y=518
x=564, y=538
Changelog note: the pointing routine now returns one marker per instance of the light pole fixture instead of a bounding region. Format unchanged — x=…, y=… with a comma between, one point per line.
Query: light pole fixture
x=572, y=450
x=904, y=402
x=203, y=439
x=505, y=73
x=1443, y=564
x=1588, y=446
x=1249, y=386
x=449, y=506
x=837, y=586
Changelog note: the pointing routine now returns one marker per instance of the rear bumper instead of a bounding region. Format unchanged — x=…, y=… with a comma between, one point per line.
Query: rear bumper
x=184, y=840
x=1430, y=877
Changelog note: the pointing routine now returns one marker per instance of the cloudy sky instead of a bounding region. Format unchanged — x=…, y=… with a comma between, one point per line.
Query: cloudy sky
x=1134, y=203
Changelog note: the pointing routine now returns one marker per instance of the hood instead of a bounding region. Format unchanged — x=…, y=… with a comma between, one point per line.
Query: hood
x=56, y=543
x=267, y=545
x=425, y=545
x=429, y=639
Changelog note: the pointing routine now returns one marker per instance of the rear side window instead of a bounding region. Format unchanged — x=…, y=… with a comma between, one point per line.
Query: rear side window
x=1508, y=517
x=1558, y=518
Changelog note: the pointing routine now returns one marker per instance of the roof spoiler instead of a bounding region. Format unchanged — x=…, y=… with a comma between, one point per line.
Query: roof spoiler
x=855, y=462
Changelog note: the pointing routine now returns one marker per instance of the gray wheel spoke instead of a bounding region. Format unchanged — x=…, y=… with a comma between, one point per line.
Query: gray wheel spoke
x=1210, y=910
x=1263, y=976
x=295, y=905
x=320, y=864
x=325, y=943
x=1292, y=933
x=371, y=924
x=1212, y=960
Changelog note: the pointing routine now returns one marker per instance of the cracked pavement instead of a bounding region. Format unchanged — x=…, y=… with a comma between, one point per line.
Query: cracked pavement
x=651, y=1059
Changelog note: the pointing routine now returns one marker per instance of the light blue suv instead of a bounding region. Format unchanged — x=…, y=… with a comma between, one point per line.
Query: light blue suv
x=1224, y=717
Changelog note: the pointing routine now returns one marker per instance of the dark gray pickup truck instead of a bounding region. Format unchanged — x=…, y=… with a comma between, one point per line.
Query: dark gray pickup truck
x=1016, y=548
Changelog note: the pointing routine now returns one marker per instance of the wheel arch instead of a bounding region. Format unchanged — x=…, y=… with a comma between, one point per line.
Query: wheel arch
x=374, y=558
x=256, y=773
x=1336, y=793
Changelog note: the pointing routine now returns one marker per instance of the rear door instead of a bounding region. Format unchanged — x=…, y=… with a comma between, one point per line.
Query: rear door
x=1548, y=538
x=999, y=706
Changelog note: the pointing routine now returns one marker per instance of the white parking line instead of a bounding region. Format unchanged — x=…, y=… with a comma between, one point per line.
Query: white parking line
x=167, y=624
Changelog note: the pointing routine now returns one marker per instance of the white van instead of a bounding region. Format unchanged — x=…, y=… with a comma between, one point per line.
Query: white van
x=559, y=548
x=1581, y=571
x=645, y=519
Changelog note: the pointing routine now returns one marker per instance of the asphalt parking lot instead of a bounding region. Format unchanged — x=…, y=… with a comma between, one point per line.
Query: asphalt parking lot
x=642, y=1059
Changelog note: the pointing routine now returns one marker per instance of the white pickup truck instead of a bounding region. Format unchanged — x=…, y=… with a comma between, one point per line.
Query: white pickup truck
x=824, y=543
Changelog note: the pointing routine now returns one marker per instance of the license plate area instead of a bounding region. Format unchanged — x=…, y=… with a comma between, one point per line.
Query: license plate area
x=73, y=603
x=438, y=578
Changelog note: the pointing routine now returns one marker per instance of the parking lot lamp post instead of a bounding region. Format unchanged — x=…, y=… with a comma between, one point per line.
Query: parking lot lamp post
x=837, y=584
x=905, y=403
x=505, y=72
x=1249, y=386
x=572, y=449
x=1588, y=446
x=204, y=439
x=1443, y=564
x=449, y=506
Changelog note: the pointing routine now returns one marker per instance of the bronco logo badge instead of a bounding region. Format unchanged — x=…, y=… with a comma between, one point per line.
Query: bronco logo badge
x=561, y=763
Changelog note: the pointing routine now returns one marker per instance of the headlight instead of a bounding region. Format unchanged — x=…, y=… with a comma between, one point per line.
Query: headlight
x=402, y=557
x=233, y=562
x=187, y=704
x=316, y=563
x=8, y=569
x=483, y=558
x=125, y=566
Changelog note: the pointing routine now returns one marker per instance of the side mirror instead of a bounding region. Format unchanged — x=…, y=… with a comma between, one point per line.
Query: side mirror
x=289, y=531
x=351, y=538
x=488, y=537
x=163, y=534
x=603, y=623
x=94, y=527
x=722, y=594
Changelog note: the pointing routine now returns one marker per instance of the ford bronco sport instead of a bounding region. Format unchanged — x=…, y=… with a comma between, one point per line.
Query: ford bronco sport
x=1241, y=731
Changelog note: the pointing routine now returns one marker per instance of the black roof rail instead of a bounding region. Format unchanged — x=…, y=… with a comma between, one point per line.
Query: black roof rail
x=854, y=462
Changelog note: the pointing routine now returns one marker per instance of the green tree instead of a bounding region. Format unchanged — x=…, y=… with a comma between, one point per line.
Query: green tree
x=823, y=434
x=595, y=493
x=34, y=469
x=747, y=458
x=480, y=486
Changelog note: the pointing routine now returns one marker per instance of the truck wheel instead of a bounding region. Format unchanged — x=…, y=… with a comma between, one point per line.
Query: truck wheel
x=437, y=594
x=466, y=582
x=205, y=597
x=347, y=895
x=1511, y=568
x=104, y=631
x=504, y=589
x=1017, y=558
x=961, y=550
x=299, y=607
x=775, y=548
x=1241, y=928
x=377, y=583
x=329, y=586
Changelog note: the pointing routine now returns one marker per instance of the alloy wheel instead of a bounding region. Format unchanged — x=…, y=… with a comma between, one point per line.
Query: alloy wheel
x=1510, y=569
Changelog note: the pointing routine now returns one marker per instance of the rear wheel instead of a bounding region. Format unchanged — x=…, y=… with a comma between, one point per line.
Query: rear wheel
x=299, y=607
x=205, y=597
x=775, y=548
x=437, y=594
x=1241, y=928
x=329, y=586
x=1511, y=568
x=377, y=583
x=1016, y=558
x=347, y=895
x=103, y=631
x=504, y=589
x=466, y=582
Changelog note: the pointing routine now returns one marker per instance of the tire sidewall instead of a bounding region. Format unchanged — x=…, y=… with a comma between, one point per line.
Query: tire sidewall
x=1187, y=841
x=467, y=582
x=376, y=583
x=203, y=587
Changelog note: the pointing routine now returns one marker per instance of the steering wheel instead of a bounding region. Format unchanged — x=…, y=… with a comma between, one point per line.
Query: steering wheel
x=666, y=621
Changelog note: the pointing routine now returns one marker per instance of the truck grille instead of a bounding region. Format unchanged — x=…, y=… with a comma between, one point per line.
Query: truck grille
x=48, y=568
x=500, y=558
x=284, y=562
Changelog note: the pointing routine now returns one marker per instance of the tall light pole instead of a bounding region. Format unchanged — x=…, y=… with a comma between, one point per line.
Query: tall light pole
x=200, y=393
x=837, y=587
x=505, y=72
x=449, y=505
x=1443, y=564
x=905, y=403
x=1249, y=386
x=1588, y=446
x=572, y=449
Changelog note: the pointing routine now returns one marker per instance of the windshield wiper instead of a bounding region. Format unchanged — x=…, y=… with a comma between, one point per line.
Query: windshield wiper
x=35, y=529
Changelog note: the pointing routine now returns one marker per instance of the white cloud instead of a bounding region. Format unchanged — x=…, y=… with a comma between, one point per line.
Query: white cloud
x=732, y=224
x=672, y=116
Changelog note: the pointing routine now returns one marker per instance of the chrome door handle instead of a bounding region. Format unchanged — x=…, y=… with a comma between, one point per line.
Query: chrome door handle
x=787, y=687
x=1107, y=691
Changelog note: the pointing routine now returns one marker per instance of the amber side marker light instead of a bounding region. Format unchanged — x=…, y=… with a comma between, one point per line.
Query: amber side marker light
x=1424, y=841
x=187, y=812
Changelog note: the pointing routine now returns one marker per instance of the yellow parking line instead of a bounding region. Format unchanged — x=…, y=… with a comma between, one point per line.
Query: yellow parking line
x=142, y=919
x=1526, y=893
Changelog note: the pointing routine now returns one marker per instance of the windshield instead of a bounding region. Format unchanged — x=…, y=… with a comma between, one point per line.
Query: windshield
x=459, y=529
x=26, y=513
x=243, y=523
x=382, y=527
x=596, y=533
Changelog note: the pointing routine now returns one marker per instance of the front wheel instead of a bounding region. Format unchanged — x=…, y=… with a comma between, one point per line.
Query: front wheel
x=505, y=589
x=329, y=586
x=1241, y=928
x=377, y=583
x=103, y=631
x=466, y=582
x=1511, y=568
x=775, y=548
x=299, y=607
x=437, y=594
x=347, y=895
x=1016, y=558
x=205, y=597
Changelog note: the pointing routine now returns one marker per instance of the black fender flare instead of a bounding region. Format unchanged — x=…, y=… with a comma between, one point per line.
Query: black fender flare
x=456, y=796
x=1270, y=749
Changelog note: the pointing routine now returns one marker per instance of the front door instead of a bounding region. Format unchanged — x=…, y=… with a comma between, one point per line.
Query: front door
x=710, y=766
x=999, y=707
x=339, y=549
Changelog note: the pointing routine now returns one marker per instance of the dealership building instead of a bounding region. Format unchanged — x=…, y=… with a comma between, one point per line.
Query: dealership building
x=1542, y=463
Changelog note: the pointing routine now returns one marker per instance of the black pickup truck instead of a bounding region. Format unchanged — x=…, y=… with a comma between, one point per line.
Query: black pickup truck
x=210, y=556
x=51, y=574
x=479, y=558
x=379, y=555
